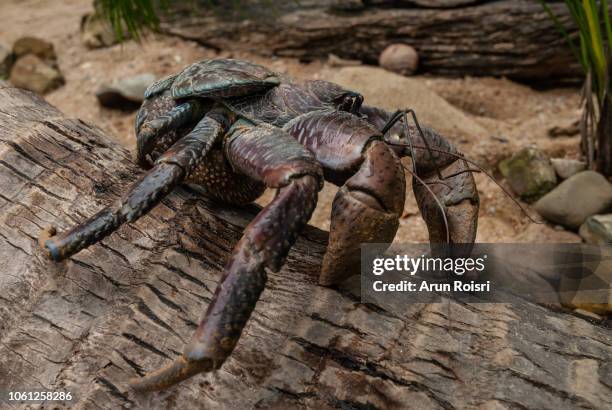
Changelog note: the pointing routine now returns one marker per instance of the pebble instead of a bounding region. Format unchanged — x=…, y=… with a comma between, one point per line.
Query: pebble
x=399, y=58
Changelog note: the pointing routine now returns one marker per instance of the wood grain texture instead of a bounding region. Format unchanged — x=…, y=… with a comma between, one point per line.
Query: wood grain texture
x=127, y=305
x=513, y=38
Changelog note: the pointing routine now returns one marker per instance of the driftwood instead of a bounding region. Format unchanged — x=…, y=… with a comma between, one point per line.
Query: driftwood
x=514, y=38
x=126, y=306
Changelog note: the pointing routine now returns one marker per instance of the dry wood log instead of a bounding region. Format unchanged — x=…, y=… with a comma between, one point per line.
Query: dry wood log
x=514, y=38
x=127, y=305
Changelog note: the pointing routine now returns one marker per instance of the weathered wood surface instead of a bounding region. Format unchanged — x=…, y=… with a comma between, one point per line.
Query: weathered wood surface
x=127, y=305
x=514, y=38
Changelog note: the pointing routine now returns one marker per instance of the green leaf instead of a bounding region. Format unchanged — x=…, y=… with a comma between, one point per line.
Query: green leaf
x=562, y=30
x=596, y=45
x=132, y=16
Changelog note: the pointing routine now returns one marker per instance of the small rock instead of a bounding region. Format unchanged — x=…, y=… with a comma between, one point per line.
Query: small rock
x=567, y=130
x=529, y=173
x=36, y=46
x=575, y=199
x=399, y=58
x=565, y=168
x=96, y=32
x=335, y=61
x=7, y=58
x=125, y=93
x=597, y=229
x=32, y=73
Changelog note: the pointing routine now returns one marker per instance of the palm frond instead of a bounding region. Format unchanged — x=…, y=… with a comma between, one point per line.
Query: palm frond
x=132, y=16
x=592, y=20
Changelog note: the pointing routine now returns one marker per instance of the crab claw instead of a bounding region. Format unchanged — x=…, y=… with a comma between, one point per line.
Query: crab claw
x=449, y=207
x=366, y=209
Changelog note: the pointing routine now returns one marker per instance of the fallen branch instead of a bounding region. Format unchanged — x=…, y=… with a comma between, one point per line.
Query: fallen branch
x=514, y=38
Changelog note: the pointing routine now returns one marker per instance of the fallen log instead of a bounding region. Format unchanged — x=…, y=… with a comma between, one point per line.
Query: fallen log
x=127, y=305
x=514, y=38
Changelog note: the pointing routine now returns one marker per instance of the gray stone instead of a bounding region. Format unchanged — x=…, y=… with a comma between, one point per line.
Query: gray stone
x=125, y=92
x=399, y=58
x=575, y=199
x=529, y=173
x=565, y=168
x=597, y=229
x=7, y=59
x=32, y=73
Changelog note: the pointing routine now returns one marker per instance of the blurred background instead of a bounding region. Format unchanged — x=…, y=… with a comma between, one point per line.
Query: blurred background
x=498, y=78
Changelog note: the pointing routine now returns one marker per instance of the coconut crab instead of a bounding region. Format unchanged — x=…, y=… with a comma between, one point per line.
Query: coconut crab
x=236, y=128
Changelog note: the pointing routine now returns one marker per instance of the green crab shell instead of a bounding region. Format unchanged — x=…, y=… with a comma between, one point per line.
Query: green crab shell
x=218, y=78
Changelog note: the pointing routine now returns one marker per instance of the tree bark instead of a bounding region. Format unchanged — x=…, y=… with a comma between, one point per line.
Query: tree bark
x=514, y=38
x=127, y=305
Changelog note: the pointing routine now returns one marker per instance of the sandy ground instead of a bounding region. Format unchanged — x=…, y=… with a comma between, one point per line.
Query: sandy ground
x=502, y=115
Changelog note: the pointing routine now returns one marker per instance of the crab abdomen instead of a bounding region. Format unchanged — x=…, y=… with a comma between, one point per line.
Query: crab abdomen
x=216, y=177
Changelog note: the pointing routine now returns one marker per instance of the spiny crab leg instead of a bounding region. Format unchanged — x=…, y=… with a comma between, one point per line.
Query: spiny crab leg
x=169, y=171
x=273, y=157
x=148, y=132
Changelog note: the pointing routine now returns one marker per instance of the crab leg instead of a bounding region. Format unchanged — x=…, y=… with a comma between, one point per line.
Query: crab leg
x=148, y=133
x=169, y=170
x=273, y=157
x=456, y=191
x=160, y=86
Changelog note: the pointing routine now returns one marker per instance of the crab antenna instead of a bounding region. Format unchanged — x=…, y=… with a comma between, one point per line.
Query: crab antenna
x=409, y=136
x=416, y=122
x=454, y=174
x=403, y=114
x=395, y=117
x=442, y=209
